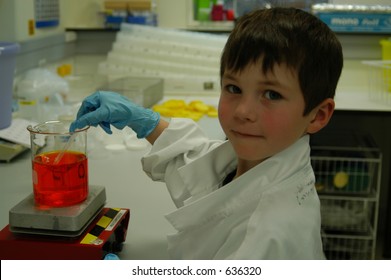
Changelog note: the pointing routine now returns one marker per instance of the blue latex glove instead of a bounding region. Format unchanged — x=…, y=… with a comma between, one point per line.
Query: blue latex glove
x=111, y=257
x=106, y=108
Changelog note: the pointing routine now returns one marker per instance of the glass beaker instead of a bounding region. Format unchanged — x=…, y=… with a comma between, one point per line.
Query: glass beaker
x=59, y=164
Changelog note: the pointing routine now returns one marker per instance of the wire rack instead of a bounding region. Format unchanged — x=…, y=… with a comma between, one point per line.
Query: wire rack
x=345, y=172
x=379, y=80
x=348, y=247
x=348, y=182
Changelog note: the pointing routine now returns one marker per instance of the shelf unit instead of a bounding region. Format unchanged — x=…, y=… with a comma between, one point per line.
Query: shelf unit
x=239, y=8
x=347, y=167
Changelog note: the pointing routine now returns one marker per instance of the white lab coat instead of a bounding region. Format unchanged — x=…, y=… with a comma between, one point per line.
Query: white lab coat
x=270, y=212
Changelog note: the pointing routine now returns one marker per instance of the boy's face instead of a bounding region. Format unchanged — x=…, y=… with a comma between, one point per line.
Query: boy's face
x=262, y=114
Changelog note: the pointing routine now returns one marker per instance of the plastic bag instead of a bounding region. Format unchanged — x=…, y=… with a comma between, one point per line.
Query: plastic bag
x=41, y=94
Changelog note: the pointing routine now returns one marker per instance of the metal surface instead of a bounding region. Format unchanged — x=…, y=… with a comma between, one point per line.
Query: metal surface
x=26, y=217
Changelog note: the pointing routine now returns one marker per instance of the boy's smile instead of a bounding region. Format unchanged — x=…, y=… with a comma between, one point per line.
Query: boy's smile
x=262, y=114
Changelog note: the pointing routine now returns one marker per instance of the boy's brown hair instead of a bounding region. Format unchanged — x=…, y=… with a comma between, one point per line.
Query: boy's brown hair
x=291, y=36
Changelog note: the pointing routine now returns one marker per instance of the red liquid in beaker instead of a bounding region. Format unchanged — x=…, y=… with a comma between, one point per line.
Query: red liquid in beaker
x=61, y=184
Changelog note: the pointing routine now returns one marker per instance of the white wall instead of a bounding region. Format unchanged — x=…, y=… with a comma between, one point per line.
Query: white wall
x=82, y=13
x=173, y=13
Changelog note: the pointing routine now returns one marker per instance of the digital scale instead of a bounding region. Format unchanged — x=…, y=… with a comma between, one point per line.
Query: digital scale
x=84, y=231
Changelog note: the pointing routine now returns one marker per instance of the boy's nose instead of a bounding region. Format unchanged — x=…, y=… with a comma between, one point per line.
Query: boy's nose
x=246, y=110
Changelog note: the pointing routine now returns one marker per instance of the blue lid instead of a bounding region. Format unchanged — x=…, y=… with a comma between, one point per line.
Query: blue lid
x=137, y=19
x=8, y=48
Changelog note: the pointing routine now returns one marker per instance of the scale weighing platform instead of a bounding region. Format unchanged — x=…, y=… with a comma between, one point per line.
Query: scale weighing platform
x=84, y=231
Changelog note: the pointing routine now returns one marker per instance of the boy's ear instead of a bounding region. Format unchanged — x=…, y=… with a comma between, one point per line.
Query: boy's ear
x=321, y=115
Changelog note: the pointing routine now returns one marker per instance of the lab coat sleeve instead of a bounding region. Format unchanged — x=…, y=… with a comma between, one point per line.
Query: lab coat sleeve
x=180, y=143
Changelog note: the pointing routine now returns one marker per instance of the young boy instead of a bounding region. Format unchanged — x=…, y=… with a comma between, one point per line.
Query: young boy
x=252, y=196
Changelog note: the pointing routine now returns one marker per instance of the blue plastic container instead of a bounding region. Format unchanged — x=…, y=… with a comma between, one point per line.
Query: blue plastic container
x=8, y=53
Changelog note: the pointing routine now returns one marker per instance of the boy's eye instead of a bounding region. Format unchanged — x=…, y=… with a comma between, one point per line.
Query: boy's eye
x=233, y=89
x=272, y=95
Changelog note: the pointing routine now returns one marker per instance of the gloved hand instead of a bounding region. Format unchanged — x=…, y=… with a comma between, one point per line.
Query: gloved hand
x=106, y=108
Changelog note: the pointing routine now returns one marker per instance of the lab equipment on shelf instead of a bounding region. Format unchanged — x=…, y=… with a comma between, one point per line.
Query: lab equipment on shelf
x=135, y=11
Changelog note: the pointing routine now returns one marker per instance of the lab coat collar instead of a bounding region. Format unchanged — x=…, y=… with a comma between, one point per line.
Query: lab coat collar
x=207, y=198
x=211, y=168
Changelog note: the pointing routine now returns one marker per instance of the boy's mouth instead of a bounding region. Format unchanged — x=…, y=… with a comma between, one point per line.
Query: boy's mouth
x=245, y=134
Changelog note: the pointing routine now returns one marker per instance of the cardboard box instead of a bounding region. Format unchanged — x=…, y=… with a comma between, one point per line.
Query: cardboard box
x=355, y=18
x=357, y=22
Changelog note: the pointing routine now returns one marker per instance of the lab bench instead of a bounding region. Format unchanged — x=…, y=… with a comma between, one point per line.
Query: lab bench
x=129, y=187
